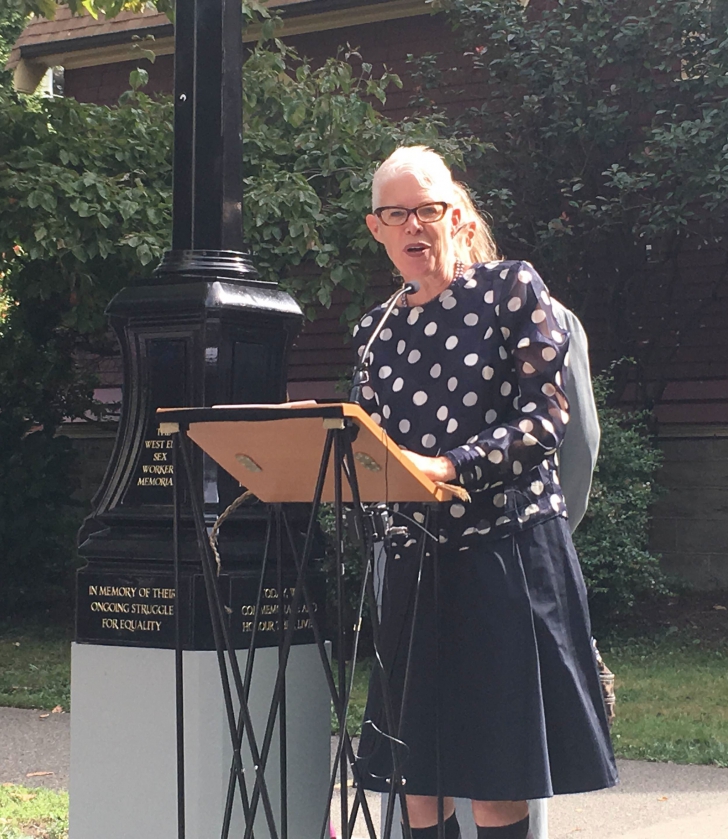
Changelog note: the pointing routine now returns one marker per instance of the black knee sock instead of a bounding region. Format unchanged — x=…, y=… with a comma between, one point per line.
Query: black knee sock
x=517, y=830
x=452, y=830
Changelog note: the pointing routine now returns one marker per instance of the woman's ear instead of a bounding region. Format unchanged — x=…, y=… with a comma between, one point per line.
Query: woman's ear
x=373, y=225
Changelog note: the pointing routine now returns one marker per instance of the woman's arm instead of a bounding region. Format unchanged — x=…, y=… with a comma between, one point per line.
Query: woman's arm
x=535, y=425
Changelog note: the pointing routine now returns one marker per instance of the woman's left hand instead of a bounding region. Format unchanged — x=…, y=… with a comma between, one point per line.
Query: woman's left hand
x=436, y=468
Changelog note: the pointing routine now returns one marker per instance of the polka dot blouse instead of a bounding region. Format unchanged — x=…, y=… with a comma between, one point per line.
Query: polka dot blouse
x=477, y=375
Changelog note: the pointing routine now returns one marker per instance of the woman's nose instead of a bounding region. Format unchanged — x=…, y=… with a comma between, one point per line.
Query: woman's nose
x=413, y=224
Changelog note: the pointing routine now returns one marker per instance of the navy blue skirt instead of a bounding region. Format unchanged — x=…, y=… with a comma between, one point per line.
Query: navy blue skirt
x=503, y=700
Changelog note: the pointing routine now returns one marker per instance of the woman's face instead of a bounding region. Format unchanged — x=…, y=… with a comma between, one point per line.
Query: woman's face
x=419, y=251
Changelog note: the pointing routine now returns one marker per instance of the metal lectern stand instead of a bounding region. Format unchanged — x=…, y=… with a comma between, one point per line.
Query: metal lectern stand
x=296, y=452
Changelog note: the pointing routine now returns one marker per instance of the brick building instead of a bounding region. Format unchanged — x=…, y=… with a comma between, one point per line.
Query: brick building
x=688, y=368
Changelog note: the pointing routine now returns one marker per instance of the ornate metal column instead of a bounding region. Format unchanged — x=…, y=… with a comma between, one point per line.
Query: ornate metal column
x=207, y=331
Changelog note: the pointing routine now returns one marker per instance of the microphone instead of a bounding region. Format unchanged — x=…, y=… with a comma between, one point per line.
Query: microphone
x=361, y=371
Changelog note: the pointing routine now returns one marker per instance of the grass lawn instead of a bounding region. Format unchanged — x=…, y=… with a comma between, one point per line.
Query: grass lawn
x=671, y=701
x=36, y=813
x=35, y=668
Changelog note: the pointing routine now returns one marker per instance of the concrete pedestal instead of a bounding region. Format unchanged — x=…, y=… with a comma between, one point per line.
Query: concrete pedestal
x=123, y=750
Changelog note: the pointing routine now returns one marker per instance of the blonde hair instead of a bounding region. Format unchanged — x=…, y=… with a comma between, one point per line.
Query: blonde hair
x=424, y=164
x=480, y=246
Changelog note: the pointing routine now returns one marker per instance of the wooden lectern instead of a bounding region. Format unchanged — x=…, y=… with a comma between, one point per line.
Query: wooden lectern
x=294, y=452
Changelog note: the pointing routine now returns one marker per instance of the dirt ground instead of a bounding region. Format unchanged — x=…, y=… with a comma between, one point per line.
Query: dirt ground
x=700, y=615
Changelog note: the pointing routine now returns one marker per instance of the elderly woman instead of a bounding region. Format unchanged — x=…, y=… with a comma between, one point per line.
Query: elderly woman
x=502, y=701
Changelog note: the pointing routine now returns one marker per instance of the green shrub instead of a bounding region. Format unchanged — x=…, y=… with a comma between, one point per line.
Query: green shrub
x=612, y=540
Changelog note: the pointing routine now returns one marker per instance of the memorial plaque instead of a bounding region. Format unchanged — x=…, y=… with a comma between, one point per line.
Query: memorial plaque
x=128, y=608
x=154, y=476
x=138, y=609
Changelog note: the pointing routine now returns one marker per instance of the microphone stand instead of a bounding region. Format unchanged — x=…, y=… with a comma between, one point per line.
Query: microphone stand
x=361, y=371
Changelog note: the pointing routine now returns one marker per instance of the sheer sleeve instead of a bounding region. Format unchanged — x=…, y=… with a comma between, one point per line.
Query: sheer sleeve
x=534, y=426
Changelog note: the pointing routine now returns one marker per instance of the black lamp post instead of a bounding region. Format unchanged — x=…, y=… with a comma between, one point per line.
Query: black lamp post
x=207, y=331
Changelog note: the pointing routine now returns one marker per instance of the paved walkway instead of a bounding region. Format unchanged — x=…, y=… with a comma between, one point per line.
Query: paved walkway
x=653, y=801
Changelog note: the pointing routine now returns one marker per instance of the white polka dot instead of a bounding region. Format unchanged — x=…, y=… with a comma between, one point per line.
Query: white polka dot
x=548, y=353
x=488, y=333
x=505, y=332
x=442, y=413
x=457, y=511
x=377, y=419
x=503, y=353
x=451, y=342
x=524, y=342
x=367, y=392
x=555, y=502
x=504, y=273
x=449, y=303
x=442, y=538
x=428, y=441
x=354, y=333
x=499, y=522
x=483, y=528
x=525, y=425
x=558, y=378
x=431, y=329
x=452, y=426
x=538, y=316
x=385, y=334
x=545, y=297
x=469, y=274
x=555, y=478
x=414, y=356
x=397, y=384
x=435, y=371
x=470, y=284
x=491, y=416
x=531, y=509
x=529, y=440
x=385, y=372
x=529, y=407
x=517, y=467
x=471, y=359
x=500, y=433
x=360, y=351
x=489, y=296
x=414, y=315
x=548, y=426
x=564, y=417
x=452, y=383
x=445, y=294
x=386, y=411
x=419, y=397
x=401, y=346
x=557, y=336
x=367, y=321
x=505, y=388
x=470, y=399
x=471, y=319
x=500, y=499
x=516, y=403
x=524, y=277
x=528, y=369
x=537, y=487
x=495, y=456
x=497, y=310
x=514, y=304
x=488, y=373
x=567, y=359
x=404, y=426
x=548, y=389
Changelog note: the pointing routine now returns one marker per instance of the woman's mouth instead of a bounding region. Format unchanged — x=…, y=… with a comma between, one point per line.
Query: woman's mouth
x=416, y=249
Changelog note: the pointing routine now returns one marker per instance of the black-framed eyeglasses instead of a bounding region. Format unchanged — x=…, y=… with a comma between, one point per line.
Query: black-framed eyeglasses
x=426, y=213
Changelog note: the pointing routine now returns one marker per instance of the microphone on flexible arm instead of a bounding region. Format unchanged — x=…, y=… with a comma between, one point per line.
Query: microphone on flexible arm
x=361, y=371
